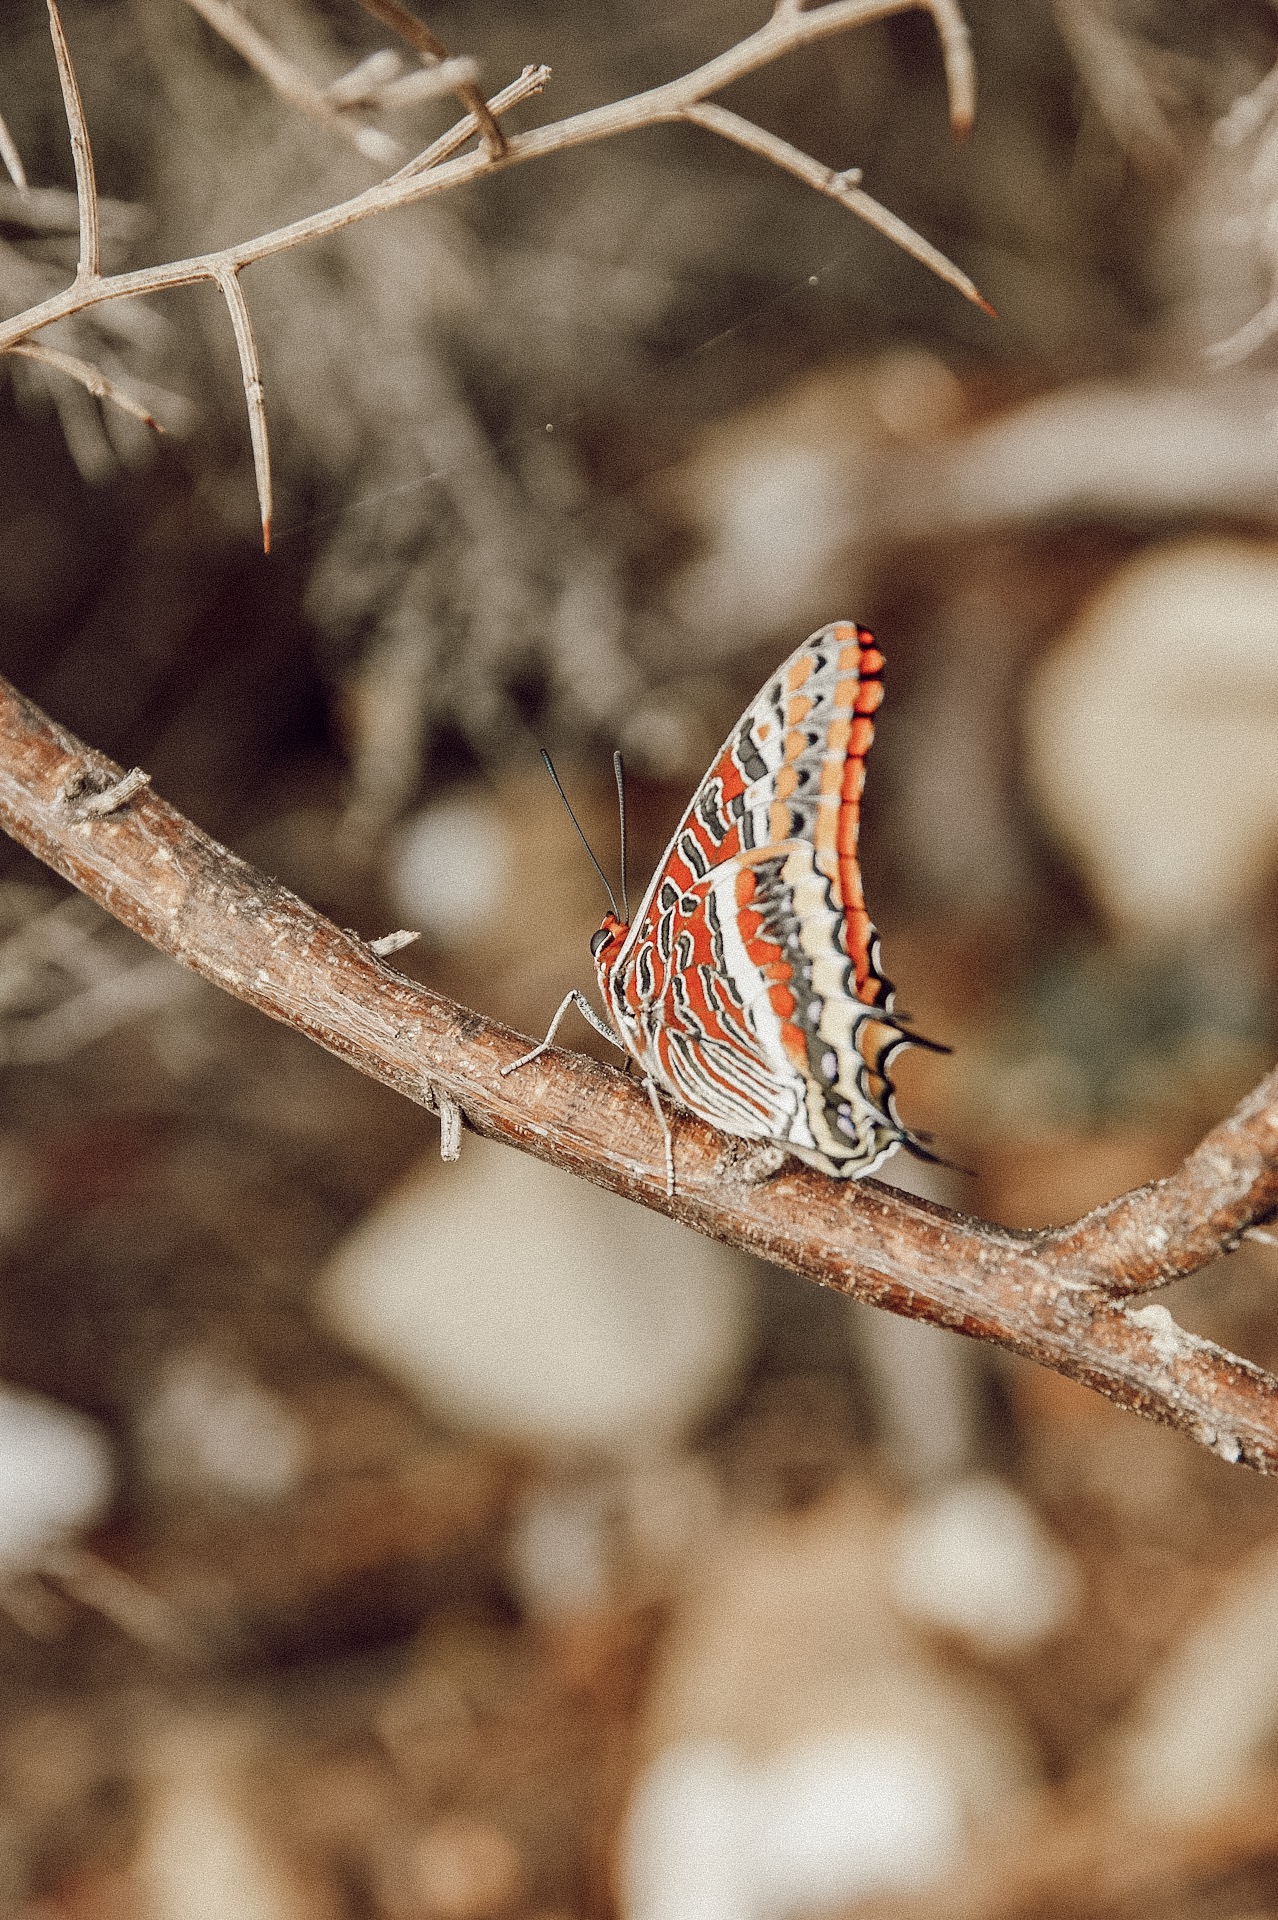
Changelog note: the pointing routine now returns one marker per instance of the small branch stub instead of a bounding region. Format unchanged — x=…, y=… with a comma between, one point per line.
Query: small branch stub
x=86, y=794
x=390, y=943
x=450, y=1126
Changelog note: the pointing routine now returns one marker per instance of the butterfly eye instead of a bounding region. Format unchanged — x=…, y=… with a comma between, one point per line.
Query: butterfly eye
x=598, y=941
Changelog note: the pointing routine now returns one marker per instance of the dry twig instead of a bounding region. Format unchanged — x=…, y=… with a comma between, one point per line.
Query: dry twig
x=12, y=158
x=86, y=187
x=401, y=20
x=291, y=83
x=1062, y=1296
x=441, y=167
x=254, y=393
x=87, y=376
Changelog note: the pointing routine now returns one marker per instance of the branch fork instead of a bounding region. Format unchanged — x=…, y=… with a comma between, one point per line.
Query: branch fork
x=1073, y=1298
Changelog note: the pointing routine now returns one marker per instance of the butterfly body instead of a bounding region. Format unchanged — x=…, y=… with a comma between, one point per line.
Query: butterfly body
x=748, y=985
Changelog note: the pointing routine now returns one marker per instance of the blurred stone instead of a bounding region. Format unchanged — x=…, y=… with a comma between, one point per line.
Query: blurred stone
x=586, y=1542
x=57, y=1475
x=463, y=1869
x=924, y=1382
x=805, y=1750
x=560, y=1550
x=208, y=1428
x=449, y=868
x=200, y=1858
x=1150, y=741
x=1205, y=1727
x=782, y=499
x=824, y=1823
x=514, y=1299
x=976, y=1561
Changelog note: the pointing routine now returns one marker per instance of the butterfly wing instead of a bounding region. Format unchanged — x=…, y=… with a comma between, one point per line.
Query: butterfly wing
x=750, y=984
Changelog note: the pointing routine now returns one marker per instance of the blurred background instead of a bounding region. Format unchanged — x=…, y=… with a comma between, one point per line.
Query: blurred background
x=388, y=1541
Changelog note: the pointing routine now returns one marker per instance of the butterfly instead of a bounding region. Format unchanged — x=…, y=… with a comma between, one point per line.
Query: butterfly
x=748, y=985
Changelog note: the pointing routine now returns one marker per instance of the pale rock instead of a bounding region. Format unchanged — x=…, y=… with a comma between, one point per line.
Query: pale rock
x=201, y=1858
x=449, y=868
x=712, y=1836
x=1205, y=1727
x=778, y=496
x=463, y=1869
x=804, y=1749
x=209, y=1428
x=517, y=1301
x=579, y=1542
x=559, y=1550
x=975, y=1561
x=1150, y=741
x=57, y=1475
x=924, y=1381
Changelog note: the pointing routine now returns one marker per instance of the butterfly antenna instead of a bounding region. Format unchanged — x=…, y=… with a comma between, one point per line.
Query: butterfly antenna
x=559, y=788
x=619, y=769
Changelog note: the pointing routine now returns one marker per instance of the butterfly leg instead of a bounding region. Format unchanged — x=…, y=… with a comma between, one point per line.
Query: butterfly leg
x=659, y=1110
x=583, y=1006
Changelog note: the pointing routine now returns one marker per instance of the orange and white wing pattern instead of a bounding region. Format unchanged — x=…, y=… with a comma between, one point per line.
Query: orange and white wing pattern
x=749, y=985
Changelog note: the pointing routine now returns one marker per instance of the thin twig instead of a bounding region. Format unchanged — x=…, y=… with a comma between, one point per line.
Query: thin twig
x=530, y=82
x=88, y=376
x=290, y=82
x=86, y=187
x=1248, y=339
x=390, y=943
x=403, y=21
x=455, y=75
x=360, y=85
x=960, y=71
x=12, y=158
x=1061, y=1296
x=783, y=34
x=143, y=1615
x=254, y=394
x=843, y=187
x=55, y=210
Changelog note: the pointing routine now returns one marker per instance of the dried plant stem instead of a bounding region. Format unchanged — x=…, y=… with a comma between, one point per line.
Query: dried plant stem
x=1062, y=1296
x=844, y=187
x=290, y=82
x=254, y=393
x=12, y=158
x=530, y=82
x=88, y=376
x=442, y=167
x=86, y=189
x=403, y=21
x=670, y=102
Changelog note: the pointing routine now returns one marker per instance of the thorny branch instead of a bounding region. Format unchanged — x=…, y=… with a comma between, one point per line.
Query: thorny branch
x=1061, y=1296
x=441, y=167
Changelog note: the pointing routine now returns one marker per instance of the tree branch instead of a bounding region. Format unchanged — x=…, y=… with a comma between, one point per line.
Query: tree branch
x=440, y=167
x=1057, y=1296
